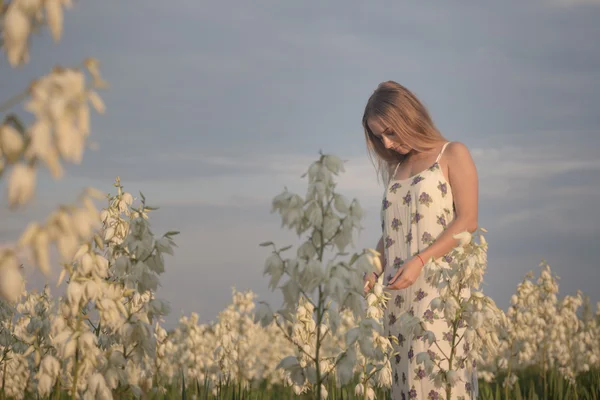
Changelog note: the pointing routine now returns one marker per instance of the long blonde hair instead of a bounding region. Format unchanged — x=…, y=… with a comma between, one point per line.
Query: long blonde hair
x=406, y=116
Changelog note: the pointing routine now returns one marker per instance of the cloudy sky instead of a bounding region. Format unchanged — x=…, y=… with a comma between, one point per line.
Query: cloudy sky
x=214, y=107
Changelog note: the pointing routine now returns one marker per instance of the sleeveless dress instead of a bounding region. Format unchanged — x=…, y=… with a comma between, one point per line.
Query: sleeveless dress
x=414, y=212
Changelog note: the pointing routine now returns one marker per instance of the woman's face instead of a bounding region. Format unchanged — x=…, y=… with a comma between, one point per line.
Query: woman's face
x=387, y=136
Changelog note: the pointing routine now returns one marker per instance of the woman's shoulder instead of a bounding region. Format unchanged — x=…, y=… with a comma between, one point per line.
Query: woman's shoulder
x=457, y=150
x=458, y=154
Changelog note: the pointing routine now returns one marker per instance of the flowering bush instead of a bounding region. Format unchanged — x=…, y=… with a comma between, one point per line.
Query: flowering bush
x=544, y=332
x=316, y=294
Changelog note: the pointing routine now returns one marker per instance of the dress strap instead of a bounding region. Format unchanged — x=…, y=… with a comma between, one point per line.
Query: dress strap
x=443, y=148
x=394, y=173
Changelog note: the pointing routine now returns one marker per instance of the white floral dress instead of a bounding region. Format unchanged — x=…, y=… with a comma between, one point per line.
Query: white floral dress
x=414, y=212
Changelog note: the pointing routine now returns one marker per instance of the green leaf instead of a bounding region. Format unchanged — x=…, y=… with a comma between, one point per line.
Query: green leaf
x=517, y=390
x=286, y=248
x=264, y=244
x=183, y=394
x=172, y=233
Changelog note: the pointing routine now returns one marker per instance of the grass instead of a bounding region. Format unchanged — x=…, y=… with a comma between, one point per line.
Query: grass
x=530, y=386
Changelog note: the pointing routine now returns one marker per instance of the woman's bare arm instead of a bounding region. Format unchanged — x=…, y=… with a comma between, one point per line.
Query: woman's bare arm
x=463, y=180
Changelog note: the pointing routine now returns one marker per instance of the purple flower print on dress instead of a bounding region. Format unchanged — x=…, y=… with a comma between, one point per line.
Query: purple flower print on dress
x=448, y=259
x=399, y=300
x=403, y=395
x=396, y=379
x=420, y=295
x=474, y=363
x=392, y=319
x=411, y=353
x=415, y=217
x=398, y=262
x=461, y=323
x=413, y=393
x=433, y=395
x=441, y=219
x=401, y=340
x=466, y=347
x=416, y=180
x=433, y=167
x=462, y=363
x=427, y=238
x=447, y=336
x=409, y=237
x=386, y=204
x=389, y=242
x=419, y=373
x=428, y=316
x=395, y=187
x=407, y=199
x=425, y=199
x=468, y=387
x=396, y=224
x=443, y=188
x=404, y=378
x=398, y=358
x=412, y=311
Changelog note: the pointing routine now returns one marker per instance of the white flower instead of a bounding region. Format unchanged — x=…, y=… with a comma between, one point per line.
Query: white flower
x=463, y=237
x=340, y=203
x=11, y=281
x=452, y=377
x=21, y=184
x=314, y=214
x=11, y=142
x=333, y=164
x=16, y=30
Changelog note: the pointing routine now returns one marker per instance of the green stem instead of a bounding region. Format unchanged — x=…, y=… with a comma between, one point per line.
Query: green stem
x=76, y=366
x=318, y=345
x=509, y=370
x=319, y=321
x=452, y=352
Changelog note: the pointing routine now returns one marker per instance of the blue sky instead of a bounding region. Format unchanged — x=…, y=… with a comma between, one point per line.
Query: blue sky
x=214, y=107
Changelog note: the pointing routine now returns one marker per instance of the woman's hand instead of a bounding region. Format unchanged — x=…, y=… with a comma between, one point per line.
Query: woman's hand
x=369, y=281
x=406, y=275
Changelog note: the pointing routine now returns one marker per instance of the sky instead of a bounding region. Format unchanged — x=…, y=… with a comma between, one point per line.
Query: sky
x=215, y=107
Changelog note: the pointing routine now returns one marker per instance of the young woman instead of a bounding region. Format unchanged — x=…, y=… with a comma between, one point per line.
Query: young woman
x=431, y=194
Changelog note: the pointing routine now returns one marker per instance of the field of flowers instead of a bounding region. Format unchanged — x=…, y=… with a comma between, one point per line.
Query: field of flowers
x=104, y=337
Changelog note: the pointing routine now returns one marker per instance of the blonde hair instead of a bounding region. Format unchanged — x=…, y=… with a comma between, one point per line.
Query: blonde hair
x=406, y=116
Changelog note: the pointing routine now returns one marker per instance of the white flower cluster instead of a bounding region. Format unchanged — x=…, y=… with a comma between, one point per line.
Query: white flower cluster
x=66, y=228
x=102, y=330
x=545, y=332
x=60, y=105
x=246, y=353
x=370, y=350
x=21, y=18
